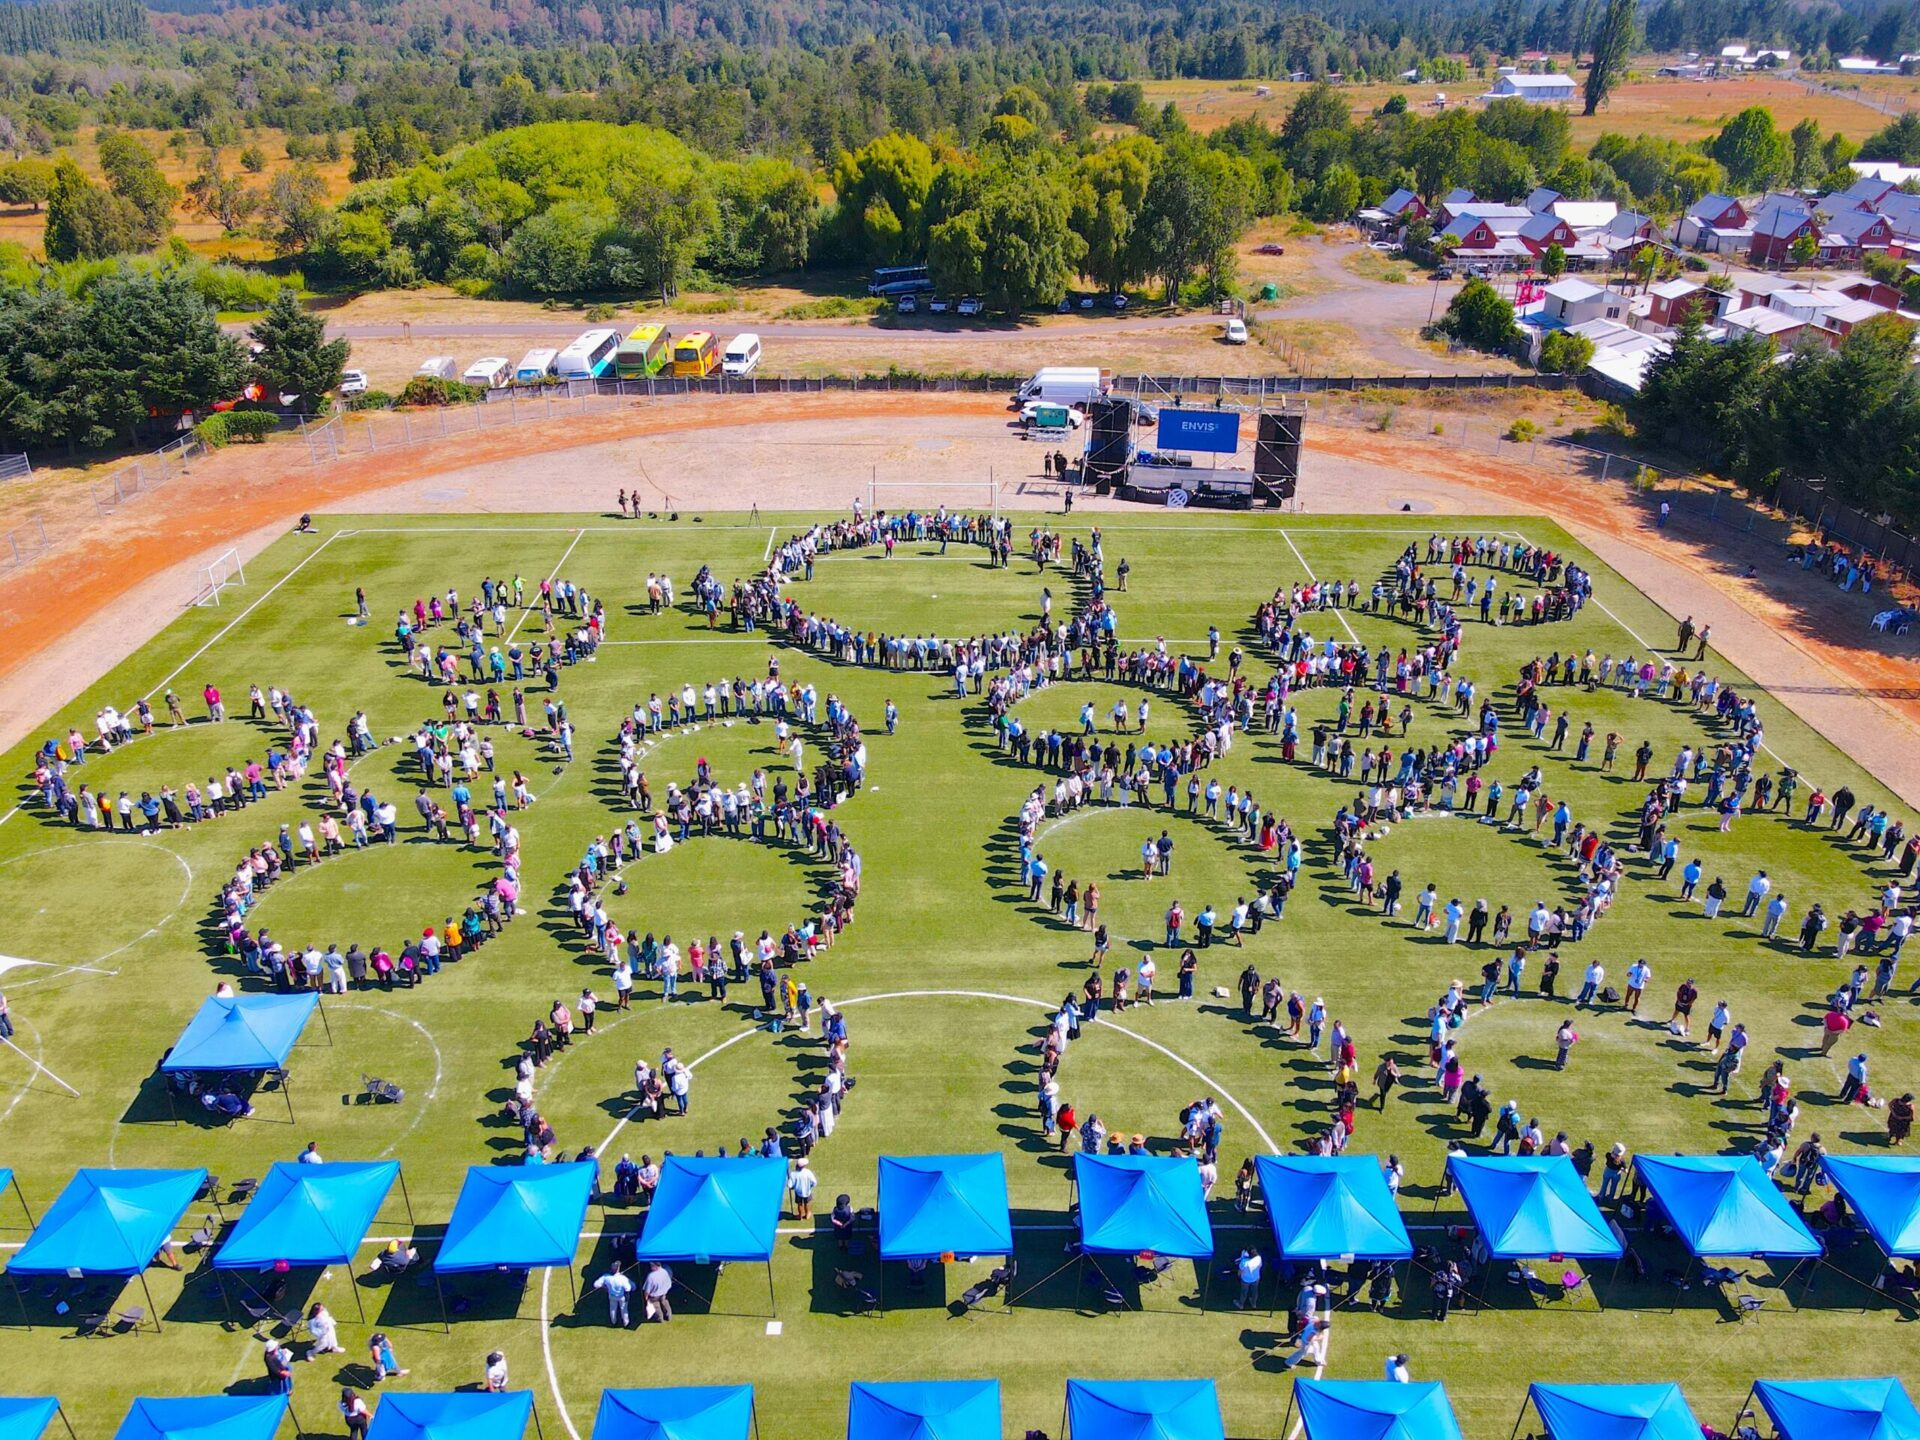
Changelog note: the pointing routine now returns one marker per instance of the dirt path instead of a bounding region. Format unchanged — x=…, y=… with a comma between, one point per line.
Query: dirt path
x=72, y=615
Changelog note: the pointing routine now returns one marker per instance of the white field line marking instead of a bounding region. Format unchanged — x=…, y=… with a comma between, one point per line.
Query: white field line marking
x=773, y=534
x=536, y=529
x=1339, y=614
x=546, y=1276
x=551, y=576
x=1649, y=646
x=95, y=966
x=221, y=634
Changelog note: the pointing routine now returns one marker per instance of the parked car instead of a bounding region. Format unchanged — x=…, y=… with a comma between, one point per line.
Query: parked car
x=970, y=305
x=939, y=305
x=353, y=382
x=1443, y=272
x=1117, y=301
x=905, y=305
x=1480, y=272
x=1086, y=302
x=1236, y=331
x=489, y=372
x=1144, y=414
x=1272, y=247
x=440, y=367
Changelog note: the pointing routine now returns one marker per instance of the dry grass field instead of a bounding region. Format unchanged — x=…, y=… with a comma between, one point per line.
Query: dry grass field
x=24, y=227
x=1677, y=109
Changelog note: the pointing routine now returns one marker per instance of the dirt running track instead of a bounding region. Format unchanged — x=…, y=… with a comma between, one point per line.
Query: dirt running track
x=69, y=616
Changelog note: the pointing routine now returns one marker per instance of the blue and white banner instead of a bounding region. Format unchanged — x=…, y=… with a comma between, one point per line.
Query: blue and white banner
x=1213, y=432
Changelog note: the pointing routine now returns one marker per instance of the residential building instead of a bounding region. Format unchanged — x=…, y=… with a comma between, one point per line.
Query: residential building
x=1673, y=300
x=1543, y=89
x=1717, y=224
x=1778, y=222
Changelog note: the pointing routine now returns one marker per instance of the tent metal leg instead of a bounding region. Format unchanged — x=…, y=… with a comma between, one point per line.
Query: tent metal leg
x=152, y=1309
x=1518, y=1418
x=25, y=1209
x=1734, y=1428
x=539, y=1430
x=321, y=1006
x=286, y=1091
x=21, y=1301
x=753, y=1414
x=773, y=1304
x=61, y=1411
x=353, y=1284
x=406, y=1200
x=1206, y=1282
x=441, y=1291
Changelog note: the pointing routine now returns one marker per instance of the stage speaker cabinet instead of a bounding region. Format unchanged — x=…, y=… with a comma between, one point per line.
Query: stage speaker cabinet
x=1109, y=442
x=1276, y=453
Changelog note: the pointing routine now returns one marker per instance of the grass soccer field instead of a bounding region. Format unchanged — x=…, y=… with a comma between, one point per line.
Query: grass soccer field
x=112, y=945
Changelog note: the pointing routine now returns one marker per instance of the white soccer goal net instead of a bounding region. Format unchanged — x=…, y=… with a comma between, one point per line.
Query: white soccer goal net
x=225, y=571
x=928, y=495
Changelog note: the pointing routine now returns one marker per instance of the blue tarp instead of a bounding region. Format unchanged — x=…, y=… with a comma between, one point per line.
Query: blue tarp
x=1325, y=1207
x=242, y=1032
x=1884, y=1190
x=1144, y=1410
x=108, y=1222
x=685, y=1412
x=452, y=1415
x=308, y=1214
x=924, y=1410
x=712, y=1208
x=204, y=1417
x=1725, y=1205
x=1135, y=1203
x=1527, y=1207
x=517, y=1216
x=1839, y=1409
x=1614, y=1412
x=26, y=1418
x=933, y=1205
x=1375, y=1410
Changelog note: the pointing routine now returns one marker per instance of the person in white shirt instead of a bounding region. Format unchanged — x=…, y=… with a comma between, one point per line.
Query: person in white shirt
x=496, y=1372
x=1397, y=1371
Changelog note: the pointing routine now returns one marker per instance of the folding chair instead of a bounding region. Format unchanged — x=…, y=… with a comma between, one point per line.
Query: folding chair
x=243, y=1190
x=133, y=1317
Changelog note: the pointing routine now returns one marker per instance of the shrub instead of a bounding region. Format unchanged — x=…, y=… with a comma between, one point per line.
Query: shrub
x=1383, y=422
x=1523, y=430
x=432, y=390
x=370, y=400
x=1439, y=428
x=230, y=426
x=599, y=314
x=834, y=307
x=1564, y=353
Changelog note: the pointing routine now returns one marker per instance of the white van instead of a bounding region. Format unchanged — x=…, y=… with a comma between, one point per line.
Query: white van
x=534, y=367
x=1065, y=385
x=440, y=367
x=742, y=355
x=1236, y=332
x=489, y=371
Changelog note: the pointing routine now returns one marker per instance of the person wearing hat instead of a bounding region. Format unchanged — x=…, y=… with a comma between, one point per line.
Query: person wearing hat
x=1397, y=1371
x=496, y=1373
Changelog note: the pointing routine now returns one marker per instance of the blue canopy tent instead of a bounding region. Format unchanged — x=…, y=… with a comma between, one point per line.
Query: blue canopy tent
x=709, y=1208
x=1331, y=1207
x=1143, y=1204
x=109, y=1222
x=683, y=1412
x=1884, y=1191
x=1611, y=1412
x=1532, y=1207
x=924, y=1410
x=235, y=1034
x=204, y=1417
x=1838, y=1409
x=311, y=1215
x=938, y=1205
x=1726, y=1205
x=515, y=1218
x=1143, y=1410
x=454, y=1415
x=1373, y=1410
x=27, y=1417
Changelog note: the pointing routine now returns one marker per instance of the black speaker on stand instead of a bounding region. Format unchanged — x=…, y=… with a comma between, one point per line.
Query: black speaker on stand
x=1276, y=455
x=1109, y=444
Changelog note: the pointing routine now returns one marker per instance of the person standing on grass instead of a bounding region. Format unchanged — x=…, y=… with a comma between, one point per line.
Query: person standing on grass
x=619, y=1286
x=803, y=1182
x=1638, y=974
x=1564, y=1039
x=354, y=1413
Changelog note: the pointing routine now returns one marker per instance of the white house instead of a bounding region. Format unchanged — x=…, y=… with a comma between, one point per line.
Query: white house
x=1545, y=89
x=1575, y=302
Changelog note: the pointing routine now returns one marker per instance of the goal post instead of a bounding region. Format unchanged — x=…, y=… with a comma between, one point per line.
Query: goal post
x=226, y=570
x=956, y=494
